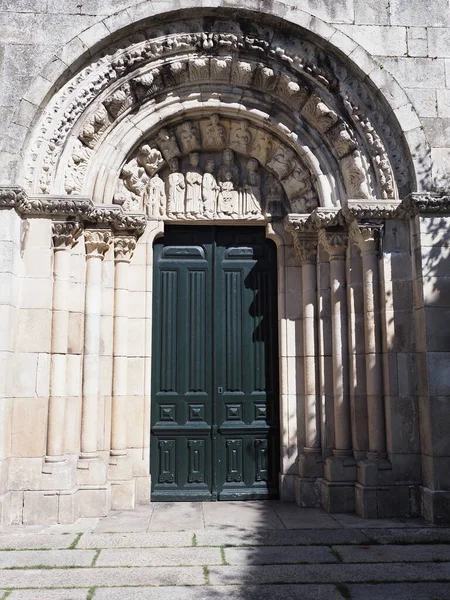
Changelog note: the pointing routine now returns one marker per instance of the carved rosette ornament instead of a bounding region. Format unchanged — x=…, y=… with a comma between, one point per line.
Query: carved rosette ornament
x=124, y=248
x=65, y=234
x=97, y=243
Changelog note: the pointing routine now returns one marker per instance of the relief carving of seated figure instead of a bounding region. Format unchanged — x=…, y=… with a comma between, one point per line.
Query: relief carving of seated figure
x=228, y=199
x=252, y=189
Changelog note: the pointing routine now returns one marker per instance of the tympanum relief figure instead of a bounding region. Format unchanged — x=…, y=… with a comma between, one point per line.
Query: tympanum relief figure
x=176, y=188
x=210, y=189
x=252, y=189
x=194, y=181
x=188, y=137
x=156, y=205
x=228, y=177
x=167, y=144
x=216, y=136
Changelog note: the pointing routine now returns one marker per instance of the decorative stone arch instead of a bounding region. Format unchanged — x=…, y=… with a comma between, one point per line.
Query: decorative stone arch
x=96, y=148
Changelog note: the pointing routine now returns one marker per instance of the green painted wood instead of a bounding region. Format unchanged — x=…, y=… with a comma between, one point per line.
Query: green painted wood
x=215, y=365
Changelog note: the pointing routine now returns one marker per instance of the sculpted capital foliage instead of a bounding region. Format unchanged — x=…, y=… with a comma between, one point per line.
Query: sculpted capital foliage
x=334, y=242
x=97, y=243
x=124, y=247
x=65, y=234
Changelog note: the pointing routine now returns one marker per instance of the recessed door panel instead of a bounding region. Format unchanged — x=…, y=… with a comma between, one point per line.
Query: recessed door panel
x=215, y=365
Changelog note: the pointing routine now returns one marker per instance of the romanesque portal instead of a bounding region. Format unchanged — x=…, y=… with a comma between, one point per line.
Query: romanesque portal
x=210, y=126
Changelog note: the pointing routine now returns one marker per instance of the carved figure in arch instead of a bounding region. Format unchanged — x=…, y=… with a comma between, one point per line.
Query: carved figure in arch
x=176, y=187
x=297, y=183
x=262, y=146
x=188, y=137
x=210, y=189
x=241, y=138
x=282, y=162
x=228, y=199
x=228, y=170
x=167, y=144
x=252, y=189
x=215, y=138
x=304, y=205
x=149, y=158
x=194, y=180
x=274, y=195
x=156, y=204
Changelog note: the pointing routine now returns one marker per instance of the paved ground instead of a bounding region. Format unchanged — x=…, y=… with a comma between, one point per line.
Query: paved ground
x=223, y=551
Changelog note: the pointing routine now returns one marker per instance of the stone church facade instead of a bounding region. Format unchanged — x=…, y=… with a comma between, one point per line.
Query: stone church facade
x=323, y=126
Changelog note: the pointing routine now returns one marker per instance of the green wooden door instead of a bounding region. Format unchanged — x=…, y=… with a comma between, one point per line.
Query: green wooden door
x=215, y=365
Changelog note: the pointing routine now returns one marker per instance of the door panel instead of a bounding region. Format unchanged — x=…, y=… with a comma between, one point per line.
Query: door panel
x=215, y=364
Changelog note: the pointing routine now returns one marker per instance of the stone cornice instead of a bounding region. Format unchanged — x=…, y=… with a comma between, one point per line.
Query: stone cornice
x=425, y=202
x=79, y=208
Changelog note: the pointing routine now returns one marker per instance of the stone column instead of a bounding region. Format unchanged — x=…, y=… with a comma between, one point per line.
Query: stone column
x=97, y=243
x=340, y=469
x=64, y=236
x=123, y=251
x=310, y=462
x=120, y=465
x=367, y=238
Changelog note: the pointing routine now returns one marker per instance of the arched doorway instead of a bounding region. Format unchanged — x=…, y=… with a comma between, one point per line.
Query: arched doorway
x=132, y=147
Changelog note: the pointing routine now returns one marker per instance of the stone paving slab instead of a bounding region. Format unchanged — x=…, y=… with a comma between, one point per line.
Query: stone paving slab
x=396, y=553
x=159, y=557
x=170, y=539
x=49, y=594
x=430, y=535
x=400, y=591
x=269, y=592
x=177, y=516
x=308, y=518
x=35, y=542
x=260, y=555
x=329, y=573
x=241, y=514
x=80, y=526
x=122, y=522
x=350, y=520
x=41, y=578
x=242, y=537
x=47, y=558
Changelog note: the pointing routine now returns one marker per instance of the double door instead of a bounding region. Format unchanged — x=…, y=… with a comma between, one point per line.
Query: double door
x=215, y=418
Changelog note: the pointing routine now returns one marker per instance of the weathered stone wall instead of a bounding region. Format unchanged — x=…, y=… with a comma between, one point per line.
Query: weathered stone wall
x=401, y=47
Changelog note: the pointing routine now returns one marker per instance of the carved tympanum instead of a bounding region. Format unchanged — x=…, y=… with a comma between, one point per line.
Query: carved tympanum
x=188, y=172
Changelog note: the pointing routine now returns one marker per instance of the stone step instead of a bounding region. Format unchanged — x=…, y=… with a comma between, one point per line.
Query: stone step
x=159, y=557
x=329, y=573
x=46, y=558
x=395, y=553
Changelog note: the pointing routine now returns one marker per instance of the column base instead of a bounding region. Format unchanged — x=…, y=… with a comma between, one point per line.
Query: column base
x=310, y=465
x=287, y=486
x=386, y=502
x=338, y=486
x=340, y=468
x=91, y=471
x=57, y=475
x=435, y=506
x=123, y=495
x=93, y=501
x=308, y=492
x=120, y=468
x=374, y=470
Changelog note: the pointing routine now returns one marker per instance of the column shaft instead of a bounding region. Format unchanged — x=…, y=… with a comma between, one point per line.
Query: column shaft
x=96, y=246
x=64, y=235
x=368, y=242
x=123, y=249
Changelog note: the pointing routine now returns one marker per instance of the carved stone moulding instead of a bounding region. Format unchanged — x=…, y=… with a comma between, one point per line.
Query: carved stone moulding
x=197, y=53
x=78, y=211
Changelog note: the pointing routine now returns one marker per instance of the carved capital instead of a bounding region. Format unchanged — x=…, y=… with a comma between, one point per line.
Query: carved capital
x=306, y=249
x=97, y=243
x=370, y=210
x=367, y=237
x=65, y=234
x=334, y=242
x=328, y=217
x=123, y=248
x=12, y=197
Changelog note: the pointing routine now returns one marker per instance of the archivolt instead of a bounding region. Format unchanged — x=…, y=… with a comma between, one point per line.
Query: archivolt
x=283, y=86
